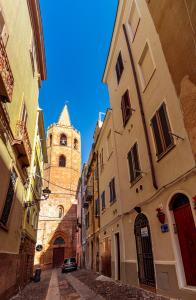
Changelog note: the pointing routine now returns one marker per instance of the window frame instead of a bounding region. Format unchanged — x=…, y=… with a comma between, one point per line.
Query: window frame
x=103, y=207
x=6, y=225
x=119, y=67
x=125, y=116
x=112, y=189
x=165, y=148
x=134, y=175
x=62, y=156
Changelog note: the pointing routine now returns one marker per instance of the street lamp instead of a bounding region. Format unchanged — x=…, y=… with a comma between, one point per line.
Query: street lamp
x=45, y=195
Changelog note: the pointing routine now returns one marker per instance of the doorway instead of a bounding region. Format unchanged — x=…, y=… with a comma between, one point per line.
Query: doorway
x=144, y=251
x=117, y=258
x=185, y=229
x=58, y=257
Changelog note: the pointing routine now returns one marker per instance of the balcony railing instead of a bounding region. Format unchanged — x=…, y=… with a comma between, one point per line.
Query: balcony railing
x=89, y=193
x=22, y=144
x=6, y=76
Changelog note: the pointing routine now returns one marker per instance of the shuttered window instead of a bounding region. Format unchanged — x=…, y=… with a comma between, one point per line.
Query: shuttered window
x=134, y=165
x=103, y=200
x=97, y=208
x=112, y=190
x=161, y=130
x=119, y=67
x=126, y=107
x=9, y=199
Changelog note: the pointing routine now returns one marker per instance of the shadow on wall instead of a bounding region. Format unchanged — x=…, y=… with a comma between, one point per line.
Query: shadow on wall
x=10, y=232
x=58, y=240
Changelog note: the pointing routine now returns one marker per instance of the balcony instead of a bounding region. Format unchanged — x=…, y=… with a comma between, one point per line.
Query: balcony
x=22, y=145
x=6, y=76
x=89, y=193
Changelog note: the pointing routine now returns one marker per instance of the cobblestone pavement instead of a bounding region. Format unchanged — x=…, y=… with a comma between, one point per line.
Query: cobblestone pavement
x=35, y=291
x=113, y=290
x=81, y=285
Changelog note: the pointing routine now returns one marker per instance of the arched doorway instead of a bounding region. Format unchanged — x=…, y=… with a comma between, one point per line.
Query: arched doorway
x=144, y=251
x=185, y=229
x=58, y=251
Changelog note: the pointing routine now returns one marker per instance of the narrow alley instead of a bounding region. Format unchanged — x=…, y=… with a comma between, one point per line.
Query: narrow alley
x=82, y=284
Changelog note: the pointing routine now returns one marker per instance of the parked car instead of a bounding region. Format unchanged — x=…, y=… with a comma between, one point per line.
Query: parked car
x=69, y=264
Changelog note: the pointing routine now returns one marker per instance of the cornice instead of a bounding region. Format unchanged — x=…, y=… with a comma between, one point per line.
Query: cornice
x=35, y=16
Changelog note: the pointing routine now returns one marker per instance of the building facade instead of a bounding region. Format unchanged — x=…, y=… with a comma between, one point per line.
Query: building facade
x=151, y=81
x=22, y=69
x=58, y=214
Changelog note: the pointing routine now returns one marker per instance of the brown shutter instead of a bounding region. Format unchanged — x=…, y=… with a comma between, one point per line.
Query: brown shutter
x=123, y=109
x=165, y=126
x=157, y=136
x=136, y=161
x=130, y=166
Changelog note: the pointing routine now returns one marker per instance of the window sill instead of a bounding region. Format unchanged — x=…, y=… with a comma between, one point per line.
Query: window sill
x=112, y=202
x=159, y=157
x=135, y=181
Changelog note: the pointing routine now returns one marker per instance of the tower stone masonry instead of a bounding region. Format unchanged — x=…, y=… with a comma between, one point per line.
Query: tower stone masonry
x=58, y=220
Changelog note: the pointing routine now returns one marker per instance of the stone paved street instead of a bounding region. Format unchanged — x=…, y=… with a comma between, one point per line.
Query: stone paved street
x=82, y=284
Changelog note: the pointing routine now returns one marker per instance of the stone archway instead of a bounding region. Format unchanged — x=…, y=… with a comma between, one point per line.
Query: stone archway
x=58, y=251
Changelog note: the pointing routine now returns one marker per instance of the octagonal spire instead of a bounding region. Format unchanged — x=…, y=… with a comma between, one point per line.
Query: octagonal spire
x=64, y=118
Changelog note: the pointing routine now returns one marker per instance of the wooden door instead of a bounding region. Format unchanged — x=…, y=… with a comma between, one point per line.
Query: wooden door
x=118, y=255
x=58, y=257
x=187, y=239
x=106, y=257
x=144, y=251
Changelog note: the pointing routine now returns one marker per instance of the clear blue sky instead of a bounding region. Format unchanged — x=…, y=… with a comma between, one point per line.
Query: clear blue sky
x=77, y=36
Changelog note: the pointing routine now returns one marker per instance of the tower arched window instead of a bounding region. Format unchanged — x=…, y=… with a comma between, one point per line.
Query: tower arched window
x=60, y=211
x=62, y=161
x=50, y=138
x=63, y=140
x=75, y=144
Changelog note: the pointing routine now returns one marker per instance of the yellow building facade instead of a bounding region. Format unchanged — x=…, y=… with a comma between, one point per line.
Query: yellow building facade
x=155, y=148
x=21, y=72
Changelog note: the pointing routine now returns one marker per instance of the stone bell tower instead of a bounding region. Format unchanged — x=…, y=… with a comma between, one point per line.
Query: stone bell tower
x=57, y=220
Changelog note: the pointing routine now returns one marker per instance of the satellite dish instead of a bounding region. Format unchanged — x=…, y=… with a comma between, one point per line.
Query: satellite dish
x=39, y=248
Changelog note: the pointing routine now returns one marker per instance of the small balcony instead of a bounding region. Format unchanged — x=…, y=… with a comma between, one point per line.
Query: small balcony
x=22, y=145
x=6, y=76
x=89, y=193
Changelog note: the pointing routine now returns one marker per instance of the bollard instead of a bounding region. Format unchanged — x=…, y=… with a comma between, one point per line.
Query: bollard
x=37, y=276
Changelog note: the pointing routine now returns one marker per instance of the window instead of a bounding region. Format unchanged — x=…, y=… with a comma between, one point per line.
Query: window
x=134, y=19
x=97, y=208
x=109, y=143
x=161, y=131
x=103, y=200
x=50, y=140
x=75, y=144
x=28, y=215
x=33, y=56
x=119, y=67
x=146, y=65
x=59, y=241
x=24, y=115
x=101, y=159
x=87, y=220
x=134, y=166
x=9, y=198
x=60, y=211
x=112, y=190
x=63, y=140
x=125, y=107
x=62, y=161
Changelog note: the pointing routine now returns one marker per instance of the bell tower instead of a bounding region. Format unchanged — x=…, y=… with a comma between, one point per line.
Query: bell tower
x=57, y=221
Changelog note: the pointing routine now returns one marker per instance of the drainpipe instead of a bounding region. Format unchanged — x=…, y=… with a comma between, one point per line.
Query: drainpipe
x=141, y=109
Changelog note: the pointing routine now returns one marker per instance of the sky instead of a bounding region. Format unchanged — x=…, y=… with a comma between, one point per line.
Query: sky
x=77, y=37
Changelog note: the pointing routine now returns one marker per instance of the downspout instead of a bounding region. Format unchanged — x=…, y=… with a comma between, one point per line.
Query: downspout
x=141, y=109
